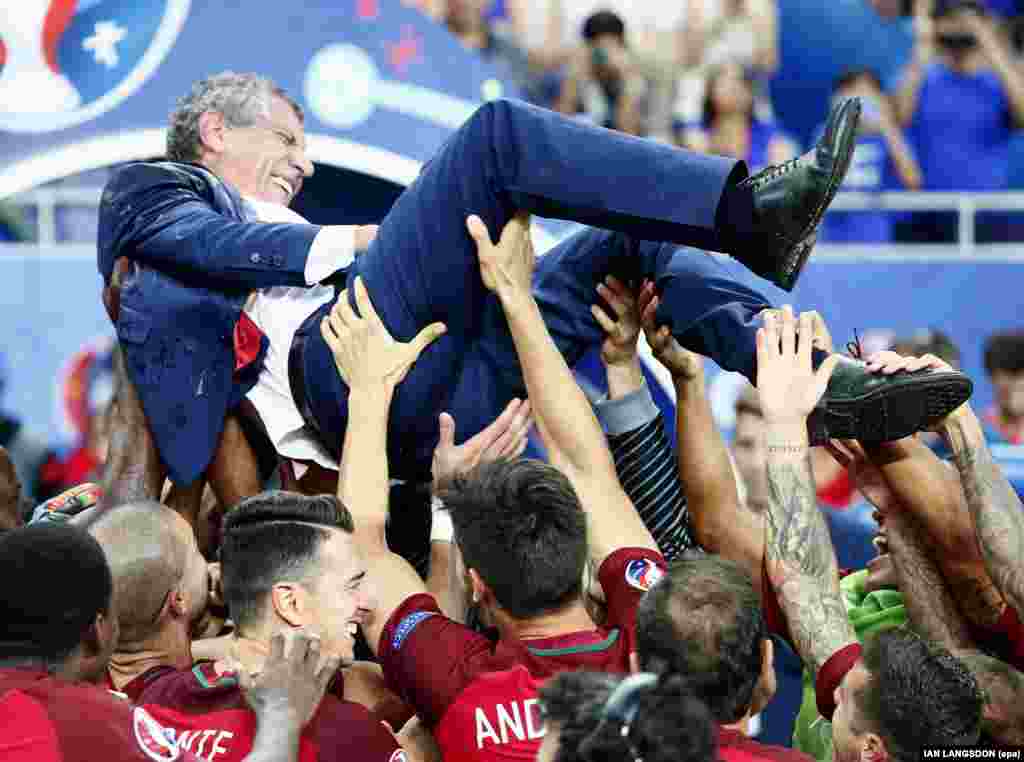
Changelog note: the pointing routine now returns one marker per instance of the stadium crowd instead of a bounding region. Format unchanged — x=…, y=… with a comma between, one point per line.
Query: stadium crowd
x=302, y=526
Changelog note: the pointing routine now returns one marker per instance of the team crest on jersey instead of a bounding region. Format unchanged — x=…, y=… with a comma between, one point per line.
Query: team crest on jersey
x=153, y=738
x=399, y=755
x=407, y=625
x=642, y=573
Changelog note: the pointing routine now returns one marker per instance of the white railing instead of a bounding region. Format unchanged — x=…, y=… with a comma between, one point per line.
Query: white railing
x=47, y=200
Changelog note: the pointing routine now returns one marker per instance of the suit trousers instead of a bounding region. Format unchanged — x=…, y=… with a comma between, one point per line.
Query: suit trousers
x=646, y=201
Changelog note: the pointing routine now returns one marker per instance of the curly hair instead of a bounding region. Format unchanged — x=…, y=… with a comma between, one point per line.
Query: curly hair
x=241, y=98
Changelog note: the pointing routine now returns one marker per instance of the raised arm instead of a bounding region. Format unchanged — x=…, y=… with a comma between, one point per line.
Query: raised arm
x=372, y=364
x=929, y=602
x=643, y=456
x=564, y=417
x=799, y=558
x=994, y=504
x=720, y=522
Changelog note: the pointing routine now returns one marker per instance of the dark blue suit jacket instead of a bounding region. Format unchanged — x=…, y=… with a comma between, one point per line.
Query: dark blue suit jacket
x=196, y=260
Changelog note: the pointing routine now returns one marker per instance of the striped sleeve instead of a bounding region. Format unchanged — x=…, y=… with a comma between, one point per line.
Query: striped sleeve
x=646, y=466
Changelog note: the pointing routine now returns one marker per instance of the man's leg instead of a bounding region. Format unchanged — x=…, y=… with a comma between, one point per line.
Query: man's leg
x=708, y=310
x=422, y=266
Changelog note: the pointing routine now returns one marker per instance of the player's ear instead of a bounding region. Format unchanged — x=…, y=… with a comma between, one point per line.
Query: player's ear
x=478, y=587
x=290, y=602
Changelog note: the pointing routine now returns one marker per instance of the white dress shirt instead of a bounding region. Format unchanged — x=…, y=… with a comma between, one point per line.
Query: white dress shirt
x=279, y=312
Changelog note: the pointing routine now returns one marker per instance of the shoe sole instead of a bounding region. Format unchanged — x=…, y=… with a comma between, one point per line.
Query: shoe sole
x=835, y=180
x=894, y=412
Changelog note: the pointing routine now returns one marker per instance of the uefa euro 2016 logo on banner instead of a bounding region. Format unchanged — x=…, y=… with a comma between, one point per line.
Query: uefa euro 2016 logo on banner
x=63, y=62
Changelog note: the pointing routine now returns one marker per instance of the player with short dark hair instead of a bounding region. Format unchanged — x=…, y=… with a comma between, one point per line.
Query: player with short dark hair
x=902, y=694
x=53, y=645
x=287, y=561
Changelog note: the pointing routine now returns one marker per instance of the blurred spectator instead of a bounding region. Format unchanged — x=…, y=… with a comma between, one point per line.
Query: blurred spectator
x=882, y=161
x=715, y=32
x=961, y=97
x=728, y=125
x=469, y=22
x=27, y=450
x=85, y=392
x=11, y=513
x=1004, y=363
x=603, y=82
x=929, y=342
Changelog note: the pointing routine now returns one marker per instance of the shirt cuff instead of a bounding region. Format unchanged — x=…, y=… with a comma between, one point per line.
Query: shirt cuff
x=628, y=413
x=831, y=675
x=333, y=249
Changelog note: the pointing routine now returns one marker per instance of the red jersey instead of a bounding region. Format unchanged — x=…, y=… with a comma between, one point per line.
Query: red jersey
x=209, y=715
x=43, y=719
x=1005, y=641
x=734, y=746
x=480, y=696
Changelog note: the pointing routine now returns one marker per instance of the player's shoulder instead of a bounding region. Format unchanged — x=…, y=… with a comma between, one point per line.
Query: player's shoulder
x=632, y=568
x=197, y=689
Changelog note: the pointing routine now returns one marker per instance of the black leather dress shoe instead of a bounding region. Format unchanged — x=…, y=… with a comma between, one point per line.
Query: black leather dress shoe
x=871, y=407
x=791, y=198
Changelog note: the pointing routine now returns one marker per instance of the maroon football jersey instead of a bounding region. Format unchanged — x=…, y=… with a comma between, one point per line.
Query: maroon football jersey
x=49, y=720
x=480, y=696
x=210, y=718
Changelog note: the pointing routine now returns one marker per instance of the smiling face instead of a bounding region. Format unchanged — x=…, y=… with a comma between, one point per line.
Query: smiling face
x=266, y=160
x=339, y=599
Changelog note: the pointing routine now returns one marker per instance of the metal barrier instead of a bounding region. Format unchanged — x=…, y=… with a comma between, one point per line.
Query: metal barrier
x=46, y=201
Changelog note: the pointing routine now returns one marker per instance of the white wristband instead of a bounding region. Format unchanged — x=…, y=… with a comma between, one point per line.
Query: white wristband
x=441, y=529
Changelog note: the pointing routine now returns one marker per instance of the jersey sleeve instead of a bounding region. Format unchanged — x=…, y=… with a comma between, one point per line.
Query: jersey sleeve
x=625, y=576
x=427, y=658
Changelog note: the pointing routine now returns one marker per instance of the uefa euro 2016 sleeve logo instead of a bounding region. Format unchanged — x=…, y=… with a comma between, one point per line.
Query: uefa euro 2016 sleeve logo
x=63, y=62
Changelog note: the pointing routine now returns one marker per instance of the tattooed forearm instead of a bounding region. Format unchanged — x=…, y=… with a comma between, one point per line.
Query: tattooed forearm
x=975, y=594
x=997, y=511
x=801, y=564
x=929, y=604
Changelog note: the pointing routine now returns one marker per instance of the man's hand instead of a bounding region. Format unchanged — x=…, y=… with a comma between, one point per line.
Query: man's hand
x=365, y=353
x=365, y=235
x=681, y=363
x=864, y=474
x=292, y=681
x=786, y=383
x=508, y=266
x=505, y=437
x=619, y=349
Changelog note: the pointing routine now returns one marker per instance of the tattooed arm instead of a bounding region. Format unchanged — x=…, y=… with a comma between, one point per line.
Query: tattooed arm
x=929, y=603
x=996, y=508
x=799, y=558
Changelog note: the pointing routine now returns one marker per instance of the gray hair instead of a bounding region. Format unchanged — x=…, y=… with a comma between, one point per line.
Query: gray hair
x=241, y=98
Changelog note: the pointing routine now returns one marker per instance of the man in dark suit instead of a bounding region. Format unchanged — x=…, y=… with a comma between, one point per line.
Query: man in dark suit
x=182, y=223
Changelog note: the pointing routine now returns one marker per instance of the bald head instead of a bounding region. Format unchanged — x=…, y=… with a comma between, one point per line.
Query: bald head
x=148, y=551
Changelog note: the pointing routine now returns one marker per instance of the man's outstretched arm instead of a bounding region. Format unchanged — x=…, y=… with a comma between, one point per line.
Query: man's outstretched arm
x=994, y=504
x=372, y=364
x=799, y=558
x=571, y=433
